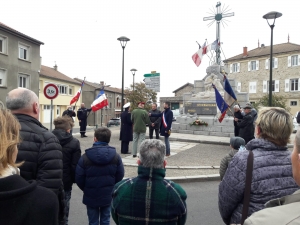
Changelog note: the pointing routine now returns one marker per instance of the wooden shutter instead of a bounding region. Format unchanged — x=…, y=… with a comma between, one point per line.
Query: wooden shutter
x=230, y=68
x=249, y=66
x=275, y=62
x=254, y=87
x=257, y=65
x=298, y=60
x=239, y=86
x=289, y=61
x=267, y=64
x=265, y=88
x=238, y=67
x=276, y=86
x=287, y=85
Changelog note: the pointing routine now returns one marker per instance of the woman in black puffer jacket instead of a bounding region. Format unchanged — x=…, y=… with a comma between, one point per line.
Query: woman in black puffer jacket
x=71, y=154
x=272, y=170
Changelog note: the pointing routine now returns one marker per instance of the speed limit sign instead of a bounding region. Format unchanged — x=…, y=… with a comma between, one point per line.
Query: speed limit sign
x=51, y=91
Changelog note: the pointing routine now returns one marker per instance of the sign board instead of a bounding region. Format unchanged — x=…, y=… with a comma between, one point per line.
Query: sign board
x=201, y=108
x=50, y=91
x=152, y=81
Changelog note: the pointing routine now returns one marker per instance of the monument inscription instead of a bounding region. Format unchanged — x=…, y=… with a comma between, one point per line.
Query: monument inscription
x=201, y=108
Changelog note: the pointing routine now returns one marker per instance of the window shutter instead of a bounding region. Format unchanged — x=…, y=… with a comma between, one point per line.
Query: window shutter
x=230, y=68
x=239, y=86
x=250, y=87
x=254, y=87
x=298, y=60
x=289, y=61
x=257, y=65
x=265, y=88
x=249, y=66
x=276, y=85
x=287, y=85
x=275, y=62
x=267, y=64
x=238, y=67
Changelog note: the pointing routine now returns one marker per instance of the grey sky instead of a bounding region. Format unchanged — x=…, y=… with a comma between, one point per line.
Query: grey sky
x=81, y=36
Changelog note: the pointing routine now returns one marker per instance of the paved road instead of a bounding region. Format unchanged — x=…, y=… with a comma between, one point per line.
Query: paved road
x=202, y=204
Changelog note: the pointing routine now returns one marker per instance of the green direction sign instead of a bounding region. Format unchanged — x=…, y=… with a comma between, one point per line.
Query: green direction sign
x=152, y=75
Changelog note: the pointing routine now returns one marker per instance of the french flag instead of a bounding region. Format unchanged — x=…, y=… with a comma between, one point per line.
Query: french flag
x=222, y=105
x=100, y=101
x=229, y=95
x=77, y=95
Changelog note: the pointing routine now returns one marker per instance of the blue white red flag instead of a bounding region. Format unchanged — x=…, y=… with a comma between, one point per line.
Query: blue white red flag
x=77, y=95
x=222, y=105
x=100, y=101
x=214, y=45
x=229, y=95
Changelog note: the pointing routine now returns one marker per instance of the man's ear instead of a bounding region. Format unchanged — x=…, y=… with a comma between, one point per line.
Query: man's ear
x=165, y=163
x=35, y=108
x=138, y=162
x=95, y=139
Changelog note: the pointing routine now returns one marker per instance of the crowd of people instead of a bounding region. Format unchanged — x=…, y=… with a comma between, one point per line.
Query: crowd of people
x=259, y=176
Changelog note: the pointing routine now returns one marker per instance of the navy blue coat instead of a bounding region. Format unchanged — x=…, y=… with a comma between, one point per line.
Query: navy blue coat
x=126, y=127
x=98, y=179
x=271, y=178
x=166, y=116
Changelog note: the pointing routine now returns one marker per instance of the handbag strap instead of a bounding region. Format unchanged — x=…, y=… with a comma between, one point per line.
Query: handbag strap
x=247, y=187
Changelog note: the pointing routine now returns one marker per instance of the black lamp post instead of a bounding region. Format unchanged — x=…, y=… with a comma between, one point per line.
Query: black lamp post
x=271, y=15
x=123, y=40
x=133, y=73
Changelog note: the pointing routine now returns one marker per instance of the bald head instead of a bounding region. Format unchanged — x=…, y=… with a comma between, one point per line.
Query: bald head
x=22, y=100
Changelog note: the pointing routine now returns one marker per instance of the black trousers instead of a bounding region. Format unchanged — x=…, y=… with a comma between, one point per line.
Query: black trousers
x=236, y=131
x=82, y=125
x=151, y=133
x=124, y=147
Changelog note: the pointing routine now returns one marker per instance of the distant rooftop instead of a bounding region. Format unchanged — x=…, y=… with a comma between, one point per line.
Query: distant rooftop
x=54, y=74
x=183, y=86
x=19, y=34
x=98, y=86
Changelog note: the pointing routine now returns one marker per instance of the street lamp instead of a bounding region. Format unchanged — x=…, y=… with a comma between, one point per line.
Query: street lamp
x=133, y=73
x=123, y=41
x=271, y=15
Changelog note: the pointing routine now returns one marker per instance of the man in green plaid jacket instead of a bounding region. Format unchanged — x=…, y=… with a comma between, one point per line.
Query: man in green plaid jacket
x=149, y=198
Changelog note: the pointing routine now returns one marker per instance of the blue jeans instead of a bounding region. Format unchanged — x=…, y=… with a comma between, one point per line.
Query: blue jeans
x=67, y=207
x=95, y=212
x=167, y=143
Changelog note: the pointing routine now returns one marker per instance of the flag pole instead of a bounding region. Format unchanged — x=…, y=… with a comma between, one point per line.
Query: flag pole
x=80, y=93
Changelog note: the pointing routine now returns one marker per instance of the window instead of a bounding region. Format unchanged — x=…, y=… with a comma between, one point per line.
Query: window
x=62, y=89
x=234, y=67
x=71, y=90
x=2, y=77
x=253, y=65
x=46, y=107
x=110, y=105
x=273, y=85
x=252, y=87
x=23, y=52
x=3, y=44
x=294, y=84
x=293, y=103
x=294, y=60
x=23, y=81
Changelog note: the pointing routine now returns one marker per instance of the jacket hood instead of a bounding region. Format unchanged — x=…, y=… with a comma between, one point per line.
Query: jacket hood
x=63, y=136
x=101, y=154
x=264, y=144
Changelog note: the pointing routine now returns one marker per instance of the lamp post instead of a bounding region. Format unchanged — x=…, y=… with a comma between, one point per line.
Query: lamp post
x=133, y=73
x=123, y=41
x=271, y=15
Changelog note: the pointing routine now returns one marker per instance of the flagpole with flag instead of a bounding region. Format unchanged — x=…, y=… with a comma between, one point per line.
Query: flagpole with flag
x=222, y=105
x=100, y=101
x=229, y=95
x=77, y=95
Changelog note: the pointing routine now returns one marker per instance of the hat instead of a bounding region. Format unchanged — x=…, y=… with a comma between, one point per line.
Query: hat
x=141, y=103
x=236, y=142
x=247, y=106
x=126, y=105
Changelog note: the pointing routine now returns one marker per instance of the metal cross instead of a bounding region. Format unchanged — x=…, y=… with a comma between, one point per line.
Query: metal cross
x=219, y=15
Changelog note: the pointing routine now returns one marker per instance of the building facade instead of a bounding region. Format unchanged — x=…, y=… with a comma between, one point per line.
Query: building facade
x=251, y=70
x=20, y=61
x=113, y=110
x=67, y=88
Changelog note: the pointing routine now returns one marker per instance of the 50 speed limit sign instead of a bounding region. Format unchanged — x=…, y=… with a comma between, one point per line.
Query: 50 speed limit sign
x=51, y=91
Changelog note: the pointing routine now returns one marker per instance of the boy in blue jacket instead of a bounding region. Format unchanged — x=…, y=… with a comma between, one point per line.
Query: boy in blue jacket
x=97, y=171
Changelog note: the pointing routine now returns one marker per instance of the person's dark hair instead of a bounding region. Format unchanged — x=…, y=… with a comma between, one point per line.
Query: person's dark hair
x=154, y=104
x=103, y=134
x=168, y=103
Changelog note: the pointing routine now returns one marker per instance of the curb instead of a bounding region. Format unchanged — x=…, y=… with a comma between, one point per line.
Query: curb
x=196, y=141
x=180, y=167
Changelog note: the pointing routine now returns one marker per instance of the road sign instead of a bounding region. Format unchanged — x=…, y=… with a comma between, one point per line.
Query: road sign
x=51, y=91
x=152, y=81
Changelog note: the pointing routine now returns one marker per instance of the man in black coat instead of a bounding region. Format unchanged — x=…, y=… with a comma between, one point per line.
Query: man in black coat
x=155, y=122
x=82, y=115
x=238, y=115
x=126, y=129
x=246, y=125
x=39, y=150
x=69, y=112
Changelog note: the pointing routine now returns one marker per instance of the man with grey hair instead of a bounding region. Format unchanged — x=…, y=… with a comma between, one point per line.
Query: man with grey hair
x=149, y=197
x=237, y=115
x=39, y=150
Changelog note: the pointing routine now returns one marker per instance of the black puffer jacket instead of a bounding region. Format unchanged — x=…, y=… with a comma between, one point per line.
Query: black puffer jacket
x=71, y=154
x=246, y=128
x=41, y=153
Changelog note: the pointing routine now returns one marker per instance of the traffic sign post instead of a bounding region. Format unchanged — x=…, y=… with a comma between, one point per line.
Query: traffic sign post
x=152, y=81
x=51, y=92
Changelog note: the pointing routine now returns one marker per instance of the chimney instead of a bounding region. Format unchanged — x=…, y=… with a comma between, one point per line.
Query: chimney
x=55, y=67
x=245, y=51
x=102, y=83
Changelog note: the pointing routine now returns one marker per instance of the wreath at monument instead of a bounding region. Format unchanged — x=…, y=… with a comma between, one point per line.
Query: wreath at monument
x=198, y=123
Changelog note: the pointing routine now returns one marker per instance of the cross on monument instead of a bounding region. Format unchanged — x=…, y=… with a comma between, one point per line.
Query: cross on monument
x=218, y=16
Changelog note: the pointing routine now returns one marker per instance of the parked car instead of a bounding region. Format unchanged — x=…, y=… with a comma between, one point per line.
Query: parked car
x=114, y=121
x=296, y=125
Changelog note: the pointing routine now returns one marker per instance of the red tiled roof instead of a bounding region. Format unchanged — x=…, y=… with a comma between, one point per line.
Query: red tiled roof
x=265, y=51
x=54, y=74
x=98, y=86
x=17, y=33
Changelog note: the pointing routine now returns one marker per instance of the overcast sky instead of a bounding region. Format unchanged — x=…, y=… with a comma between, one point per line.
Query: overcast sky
x=81, y=36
